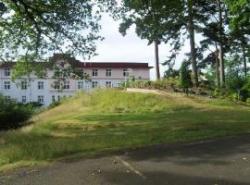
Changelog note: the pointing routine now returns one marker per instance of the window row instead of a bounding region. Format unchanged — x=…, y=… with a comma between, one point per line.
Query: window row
x=40, y=99
x=94, y=72
x=66, y=85
x=23, y=85
x=109, y=72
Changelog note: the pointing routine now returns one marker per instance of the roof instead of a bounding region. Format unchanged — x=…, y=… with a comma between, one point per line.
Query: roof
x=110, y=65
x=11, y=64
x=79, y=64
x=90, y=64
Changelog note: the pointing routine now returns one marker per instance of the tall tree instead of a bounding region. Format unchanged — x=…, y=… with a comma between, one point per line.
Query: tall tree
x=221, y=43
x=156, y=21
x=239, y=12
x=191, y=31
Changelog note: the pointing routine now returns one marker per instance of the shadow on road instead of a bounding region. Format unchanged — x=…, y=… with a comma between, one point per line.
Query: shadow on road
x=213, y=152
x=160, y=178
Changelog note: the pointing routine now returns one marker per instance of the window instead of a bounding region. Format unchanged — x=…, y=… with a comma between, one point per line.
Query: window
x=56, y=85
x=24, y=99
x=95, y=72
x=40, y=85
x=80, y=85
x=53, y=98
x=94, y=84
x=40, y=99
x=23, y=85
x=66, y=85
x=125, y=72
x=7, y=85
x=108, y=84
x=108, y=72
x=7, y=72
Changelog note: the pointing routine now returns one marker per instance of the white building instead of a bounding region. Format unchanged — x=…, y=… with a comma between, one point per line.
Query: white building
x=44, y=90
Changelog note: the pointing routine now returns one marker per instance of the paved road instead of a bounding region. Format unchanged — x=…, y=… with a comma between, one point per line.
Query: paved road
x=221, y=162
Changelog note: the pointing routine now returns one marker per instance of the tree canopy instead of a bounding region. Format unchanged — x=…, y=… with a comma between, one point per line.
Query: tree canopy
x=43, y=26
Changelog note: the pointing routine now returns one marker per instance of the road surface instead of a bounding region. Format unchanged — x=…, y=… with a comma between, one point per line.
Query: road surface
x=218, y=162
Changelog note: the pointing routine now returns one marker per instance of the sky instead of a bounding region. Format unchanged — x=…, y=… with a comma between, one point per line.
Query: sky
x=116, y=48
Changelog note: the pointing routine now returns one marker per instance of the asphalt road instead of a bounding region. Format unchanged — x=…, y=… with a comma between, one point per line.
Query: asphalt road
x=220, y=162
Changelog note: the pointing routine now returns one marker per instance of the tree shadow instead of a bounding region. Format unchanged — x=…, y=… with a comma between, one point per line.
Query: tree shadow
x=213, y=152
x=165, y=178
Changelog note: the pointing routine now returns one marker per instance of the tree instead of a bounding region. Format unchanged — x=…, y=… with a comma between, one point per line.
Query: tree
x=155, y=21
x=41, y=27
x=185, y=77
x=191, y=31
x=240, y=29
x=25, y=68
x=64, y=71
x=216, y=41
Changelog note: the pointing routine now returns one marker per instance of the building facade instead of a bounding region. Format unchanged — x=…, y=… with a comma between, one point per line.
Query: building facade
x=48, y=89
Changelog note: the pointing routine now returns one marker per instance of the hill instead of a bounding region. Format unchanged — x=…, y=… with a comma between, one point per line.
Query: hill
x=109, y=120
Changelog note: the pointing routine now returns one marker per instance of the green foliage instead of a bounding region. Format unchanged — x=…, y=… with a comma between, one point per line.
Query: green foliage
x=164, y=84
x=12, y=114
x=25, y=66
x=42, y=27
x=248, y=101
x=240, y=13
x=185, y=76
x=54, y=104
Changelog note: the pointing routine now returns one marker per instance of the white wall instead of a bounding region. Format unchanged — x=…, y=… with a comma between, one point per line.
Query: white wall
x=32, y=92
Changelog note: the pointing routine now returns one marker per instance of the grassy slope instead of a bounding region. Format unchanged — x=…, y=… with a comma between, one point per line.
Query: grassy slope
x=110, y=120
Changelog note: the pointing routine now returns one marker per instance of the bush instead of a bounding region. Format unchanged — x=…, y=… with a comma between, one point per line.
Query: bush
x=54, y=104
x=185, y=77
x=248, y=101
x=12, y=114
x=167, y=83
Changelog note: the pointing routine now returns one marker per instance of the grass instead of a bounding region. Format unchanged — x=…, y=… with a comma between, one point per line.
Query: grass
x=109, y=120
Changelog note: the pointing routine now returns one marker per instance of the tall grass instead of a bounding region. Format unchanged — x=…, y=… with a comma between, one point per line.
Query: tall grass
x=108, y=120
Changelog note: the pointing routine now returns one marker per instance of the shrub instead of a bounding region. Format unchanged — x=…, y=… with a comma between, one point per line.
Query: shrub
x=248, y=101
x=54, y=104
x=185, y=77
x=12, y=114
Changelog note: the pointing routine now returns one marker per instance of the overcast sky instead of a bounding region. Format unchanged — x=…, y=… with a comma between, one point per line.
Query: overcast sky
x=116, y=48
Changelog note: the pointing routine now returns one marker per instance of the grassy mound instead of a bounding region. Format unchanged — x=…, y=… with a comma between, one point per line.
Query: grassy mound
x=108, y=120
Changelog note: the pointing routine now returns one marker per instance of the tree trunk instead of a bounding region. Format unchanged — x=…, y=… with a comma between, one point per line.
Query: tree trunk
x=221, y=50
x=157, y=63
x=244, y=61
x=217, y=67
x=192, y=42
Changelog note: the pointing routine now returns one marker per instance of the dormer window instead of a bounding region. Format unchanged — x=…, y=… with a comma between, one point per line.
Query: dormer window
x=95, y=72
x=7, y=72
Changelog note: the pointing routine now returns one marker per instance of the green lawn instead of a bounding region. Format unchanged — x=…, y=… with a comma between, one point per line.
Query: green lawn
x=111, y=120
